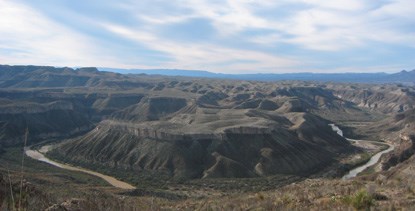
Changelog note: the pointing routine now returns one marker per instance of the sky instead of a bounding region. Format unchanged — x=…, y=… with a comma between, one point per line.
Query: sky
x=226, y=36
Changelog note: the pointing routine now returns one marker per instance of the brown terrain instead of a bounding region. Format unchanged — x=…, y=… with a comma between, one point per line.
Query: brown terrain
x=193, y=143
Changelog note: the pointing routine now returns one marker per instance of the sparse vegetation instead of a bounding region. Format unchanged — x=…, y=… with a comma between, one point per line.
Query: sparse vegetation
x=361, y=200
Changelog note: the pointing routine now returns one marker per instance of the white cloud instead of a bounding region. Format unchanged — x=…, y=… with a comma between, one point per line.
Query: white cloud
x=164, y=19
x=228, y=16
x=28, y=37
x=345, y=5
x=205, y=56
x=347, y=25
x=318, y=25
x=398, y=9
x=320, y=29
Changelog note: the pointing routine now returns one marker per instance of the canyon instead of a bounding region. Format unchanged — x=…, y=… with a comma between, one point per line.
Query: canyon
x=164, y=133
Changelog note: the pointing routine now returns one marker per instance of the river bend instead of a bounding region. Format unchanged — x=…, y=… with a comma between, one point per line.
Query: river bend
x=373, y=160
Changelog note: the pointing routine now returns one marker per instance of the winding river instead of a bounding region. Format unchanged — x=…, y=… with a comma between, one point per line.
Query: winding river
x=39, y=155
x=373, y=160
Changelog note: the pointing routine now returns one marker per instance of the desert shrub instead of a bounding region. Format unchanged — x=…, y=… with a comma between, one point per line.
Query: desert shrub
x=361, y=200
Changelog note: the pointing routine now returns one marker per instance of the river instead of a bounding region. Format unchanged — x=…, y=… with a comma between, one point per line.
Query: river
x=373, y=160
x=40, y=155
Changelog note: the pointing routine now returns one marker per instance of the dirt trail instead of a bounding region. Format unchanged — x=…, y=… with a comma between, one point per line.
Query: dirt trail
x=39, y=155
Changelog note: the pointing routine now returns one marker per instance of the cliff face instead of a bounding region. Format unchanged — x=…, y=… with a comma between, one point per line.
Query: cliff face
x=54, y=113
x=43, y=120
x=382, y=98
x=405, y=150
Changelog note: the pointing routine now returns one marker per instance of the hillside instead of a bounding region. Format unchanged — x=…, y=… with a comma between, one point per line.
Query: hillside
x=243, y=144
x=188, y=141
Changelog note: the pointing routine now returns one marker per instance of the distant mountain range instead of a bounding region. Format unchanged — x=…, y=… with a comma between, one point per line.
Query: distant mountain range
x=406, y=77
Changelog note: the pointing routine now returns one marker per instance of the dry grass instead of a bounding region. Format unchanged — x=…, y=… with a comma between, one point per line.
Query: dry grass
x=316, y=194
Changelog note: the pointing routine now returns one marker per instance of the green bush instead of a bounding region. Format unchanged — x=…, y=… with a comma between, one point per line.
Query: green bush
x=361, y=200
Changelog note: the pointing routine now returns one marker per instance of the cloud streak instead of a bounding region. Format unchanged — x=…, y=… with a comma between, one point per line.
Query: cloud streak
x=205, y=56
x=28, y=37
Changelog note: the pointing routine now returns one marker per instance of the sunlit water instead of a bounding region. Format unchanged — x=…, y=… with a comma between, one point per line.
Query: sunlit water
x=37, y=155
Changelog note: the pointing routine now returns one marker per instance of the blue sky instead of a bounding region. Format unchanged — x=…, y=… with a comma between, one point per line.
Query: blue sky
x=228, y=36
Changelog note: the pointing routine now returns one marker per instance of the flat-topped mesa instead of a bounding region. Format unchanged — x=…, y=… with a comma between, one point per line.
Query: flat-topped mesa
x=248, y=130
x=141, y=131
x=223, y=150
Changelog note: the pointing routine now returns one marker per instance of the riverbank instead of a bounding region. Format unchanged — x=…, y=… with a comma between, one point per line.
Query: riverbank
x=40, y=156
x=366, y=145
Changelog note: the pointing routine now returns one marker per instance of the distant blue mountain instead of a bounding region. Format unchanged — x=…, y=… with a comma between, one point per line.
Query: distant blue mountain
x=407, y=77
x=167, y=72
